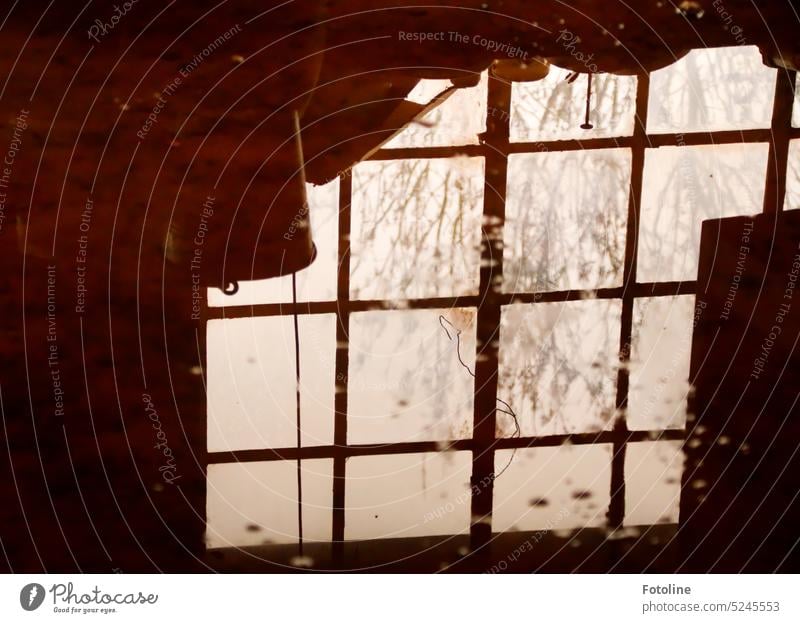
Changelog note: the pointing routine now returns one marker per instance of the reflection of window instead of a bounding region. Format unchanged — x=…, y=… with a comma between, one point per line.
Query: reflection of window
x=415, y=229
x=715, y=89
x=558, y=280
x=405, y=384
x=684, y=186
x=565, y=220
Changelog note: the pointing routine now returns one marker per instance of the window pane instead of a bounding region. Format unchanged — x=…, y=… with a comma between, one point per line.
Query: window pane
x=682, y=187
x=251, y=382
x=796, y=111
x=315, y=283
x=712, y=89
x=558, y=366
x=653, y=482
x=407, y=495
x=255, y=503
x=792, y=201
x=553, y=109
x=558, y=488
x=456, y=121
x=565, y=220
x=659, y=369
x=405, y=379
x=416, y=228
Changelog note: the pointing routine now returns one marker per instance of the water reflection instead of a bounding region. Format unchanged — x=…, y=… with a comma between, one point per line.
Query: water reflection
x=558, y=365
x=712, y=89
x=315, y=283
x=682, y=187
x=251, y=382
x=653, y=471
x=659, y=368
x=792, y=201
x=565, y=220
x=405, y=380
x=408, y=495
x=416, y=228
x=257, y=503
x=554, y=109
x=457, y=121
x=558, y=488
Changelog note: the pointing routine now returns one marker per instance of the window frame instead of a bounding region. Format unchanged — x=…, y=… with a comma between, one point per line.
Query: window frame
x=495, y=146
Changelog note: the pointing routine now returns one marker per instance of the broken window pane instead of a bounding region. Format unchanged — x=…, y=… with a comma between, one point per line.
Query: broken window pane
x=553, y=109
x=682, y=187
x=251, y=382
x=315, y=283
x=653, y=482
x=659, y=367
x=712, y=89
x=565, y=220
x=792, y=201
x=408, y=495
x=456, y=121
x=416, y=228
x=406, y=382
x=559, y=488
x=558, y=366
x=256, y=503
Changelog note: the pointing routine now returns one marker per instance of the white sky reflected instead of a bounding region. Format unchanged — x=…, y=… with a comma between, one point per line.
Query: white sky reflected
x=653, y=472
x=558, y=364
x=254, y=503
x=416, y=228
x=712, y=89
x=553, y=109
x=565, y=220
x=557, y=488
x=315, y=283
x=457, y=121
x=684, y=186
x=659, y=369
x=408, y=495
x=251, y=382
x=405, y=380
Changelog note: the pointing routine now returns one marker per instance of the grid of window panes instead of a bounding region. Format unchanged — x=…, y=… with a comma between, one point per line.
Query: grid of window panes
x=496, y=333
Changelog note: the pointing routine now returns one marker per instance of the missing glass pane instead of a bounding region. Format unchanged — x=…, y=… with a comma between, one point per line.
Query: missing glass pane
x=659, y=367
x=682, y=187
x=558, y=366
x=712, y=89
x=457, y=121
x=408, y=495
x=251, y=382
x=256, y=503
x=416, y=228
x=565, y=220
x=653, y=482
x=406, y=382
x=315, y=283
x=560, y=488
x=554, y=109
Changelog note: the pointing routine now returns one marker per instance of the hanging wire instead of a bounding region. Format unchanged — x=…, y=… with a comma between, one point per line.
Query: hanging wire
x=301, y=167
x=297, y=398
x=507, y=410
